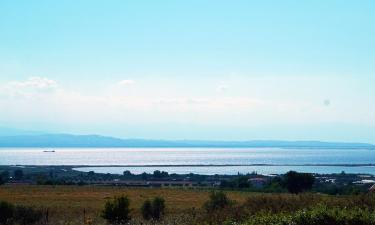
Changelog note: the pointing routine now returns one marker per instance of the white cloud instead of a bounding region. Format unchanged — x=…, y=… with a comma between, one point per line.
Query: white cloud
x=126, y=82
x=31, y=87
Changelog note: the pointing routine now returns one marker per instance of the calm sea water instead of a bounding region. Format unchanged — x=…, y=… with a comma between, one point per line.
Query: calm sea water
x=139, y=160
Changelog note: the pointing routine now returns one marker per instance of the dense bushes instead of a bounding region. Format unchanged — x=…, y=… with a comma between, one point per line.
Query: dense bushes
x=117, y=211
x=26, y=215
x=146, y=210
x=153, y=210
x=320, y=215
x=21, y=215
x=6, y=212
x=218, y=200
x=286, y=209
x=298, y=182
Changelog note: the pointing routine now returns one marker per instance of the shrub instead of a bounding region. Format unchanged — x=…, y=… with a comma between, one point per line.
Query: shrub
x=154, y=209
x=27, y=215
x=6, y=212
x=1, y=180
x=320, y=215
x=158, y=208
x=117, y=211
x=146, y=210
x=218, y=200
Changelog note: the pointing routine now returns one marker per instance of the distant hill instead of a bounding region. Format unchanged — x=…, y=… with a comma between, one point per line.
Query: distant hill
x=67, y=140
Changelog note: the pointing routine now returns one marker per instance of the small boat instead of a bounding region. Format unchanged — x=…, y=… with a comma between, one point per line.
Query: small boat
x=49, y=151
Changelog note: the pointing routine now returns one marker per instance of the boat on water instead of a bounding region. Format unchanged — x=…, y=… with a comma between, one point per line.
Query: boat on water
x=49, y=151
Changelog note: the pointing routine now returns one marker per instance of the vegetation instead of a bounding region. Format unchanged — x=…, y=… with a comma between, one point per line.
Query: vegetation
x=153, y=210
x=218, y=200
x=71, y=204
x=146, y=210
x=6, y=212
x=117, y=211
x=20, y=215
x=321, y=215
x=298, y=182
x=18, y=174
x=158, y=208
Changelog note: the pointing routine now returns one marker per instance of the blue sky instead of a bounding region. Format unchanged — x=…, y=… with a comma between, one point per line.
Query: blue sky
x=231, y=70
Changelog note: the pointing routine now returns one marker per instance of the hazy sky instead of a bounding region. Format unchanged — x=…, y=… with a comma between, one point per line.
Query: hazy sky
x=194, y=69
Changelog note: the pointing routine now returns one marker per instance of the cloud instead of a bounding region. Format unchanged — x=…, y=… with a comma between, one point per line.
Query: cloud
x=126, y=82
x=30, y=87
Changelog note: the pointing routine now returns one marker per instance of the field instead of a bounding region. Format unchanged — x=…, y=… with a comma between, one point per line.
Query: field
x=70, y=205
x=67, y=203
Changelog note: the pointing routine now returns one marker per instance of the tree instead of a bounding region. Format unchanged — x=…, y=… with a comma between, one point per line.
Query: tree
x=218, y=200
x=117, y=211
x=158, y=208
x=146, y=210
x=18, y=174
x=298, y=182
x=127, y=173
x=1, y=180
x=144, y=176
x=5, y=175
x=160, y=174
x=243, y=182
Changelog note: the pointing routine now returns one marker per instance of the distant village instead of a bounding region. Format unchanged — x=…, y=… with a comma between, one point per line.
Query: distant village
x=341, y=183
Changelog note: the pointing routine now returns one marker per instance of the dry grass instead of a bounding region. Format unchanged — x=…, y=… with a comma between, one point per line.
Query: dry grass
x=67, y=203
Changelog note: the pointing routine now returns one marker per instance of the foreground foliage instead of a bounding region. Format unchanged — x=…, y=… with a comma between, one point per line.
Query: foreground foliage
x=73, y=205
x=153, y=210
x=21, y=215
x=117, y=211
x=321, y=215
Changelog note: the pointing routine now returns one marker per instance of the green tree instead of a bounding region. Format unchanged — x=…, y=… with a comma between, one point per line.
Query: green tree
x=117, y=211
x=5, y=175
x=298, y=182
x=243, y=182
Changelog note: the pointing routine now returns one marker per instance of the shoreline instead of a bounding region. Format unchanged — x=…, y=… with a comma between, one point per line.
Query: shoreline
x=199, y=165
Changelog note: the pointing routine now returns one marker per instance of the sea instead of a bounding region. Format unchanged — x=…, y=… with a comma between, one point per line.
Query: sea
x=208, y=161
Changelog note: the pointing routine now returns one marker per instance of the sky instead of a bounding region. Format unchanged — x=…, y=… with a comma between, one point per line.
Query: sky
x=197, y=69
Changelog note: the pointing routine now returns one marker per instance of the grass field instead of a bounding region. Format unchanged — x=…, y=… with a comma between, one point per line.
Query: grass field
x=67, y=203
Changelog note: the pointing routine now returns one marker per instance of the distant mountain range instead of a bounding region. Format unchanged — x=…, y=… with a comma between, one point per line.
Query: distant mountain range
x=68, y=140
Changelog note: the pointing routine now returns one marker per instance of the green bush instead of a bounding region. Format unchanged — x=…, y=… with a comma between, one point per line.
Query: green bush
x=218, y=200
x=146, y=210
x=320, y=215
x=6, y=213
x=158, y=208
x=117, y=211
x=27, y=215
x=153, y=210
